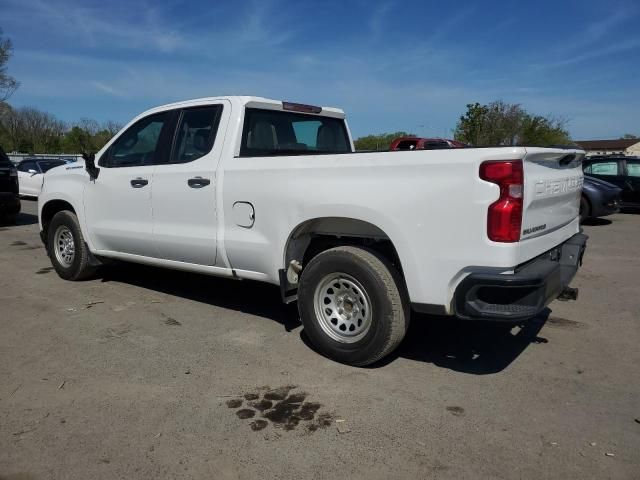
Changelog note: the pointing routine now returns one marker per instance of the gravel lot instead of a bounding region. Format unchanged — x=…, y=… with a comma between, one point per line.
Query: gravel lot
x=142, y=373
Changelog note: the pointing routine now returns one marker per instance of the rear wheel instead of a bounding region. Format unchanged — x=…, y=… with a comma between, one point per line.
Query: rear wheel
x=66, y=247
x=585, y=209
x=352, y=305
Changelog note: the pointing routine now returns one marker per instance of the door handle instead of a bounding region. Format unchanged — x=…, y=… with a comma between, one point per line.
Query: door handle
x=198, y=182
x=139, y=182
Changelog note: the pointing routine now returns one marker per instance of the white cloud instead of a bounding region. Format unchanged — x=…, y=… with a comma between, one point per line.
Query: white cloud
x=103, y=87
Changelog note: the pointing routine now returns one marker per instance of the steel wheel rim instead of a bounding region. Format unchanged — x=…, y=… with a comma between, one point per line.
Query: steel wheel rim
x=64, y=246
x=342, y=307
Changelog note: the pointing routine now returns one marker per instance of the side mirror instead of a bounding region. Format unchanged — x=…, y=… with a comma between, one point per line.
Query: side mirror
x=90, y=165
x=32, y=172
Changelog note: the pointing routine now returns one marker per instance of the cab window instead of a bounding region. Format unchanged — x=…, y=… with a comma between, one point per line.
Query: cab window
x=407, y=145
x=275, y=132
x=139, y=144
x=602, y=168
x=26, y=166
x=47, y=165
x=633, y=169
x=196, y=133
x=4, y=159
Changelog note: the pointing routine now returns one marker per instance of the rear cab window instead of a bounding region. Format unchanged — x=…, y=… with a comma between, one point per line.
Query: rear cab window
x=275, y=132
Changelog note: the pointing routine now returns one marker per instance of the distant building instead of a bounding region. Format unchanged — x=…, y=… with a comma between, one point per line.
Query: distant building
x=624, y=146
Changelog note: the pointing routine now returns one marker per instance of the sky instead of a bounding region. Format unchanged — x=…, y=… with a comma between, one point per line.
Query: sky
x=410, y=65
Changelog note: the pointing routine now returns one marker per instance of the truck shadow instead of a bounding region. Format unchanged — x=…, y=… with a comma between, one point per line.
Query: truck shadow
x=478, y=348
x=597, y=222
x=245, y=296
x=474, y=347
x=21, y=219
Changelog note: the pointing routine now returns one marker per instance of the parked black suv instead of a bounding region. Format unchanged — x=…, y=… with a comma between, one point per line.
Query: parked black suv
x=624, y=172
x=9, y=199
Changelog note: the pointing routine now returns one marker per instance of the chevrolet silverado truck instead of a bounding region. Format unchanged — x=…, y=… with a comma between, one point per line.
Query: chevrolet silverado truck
x=251, y=188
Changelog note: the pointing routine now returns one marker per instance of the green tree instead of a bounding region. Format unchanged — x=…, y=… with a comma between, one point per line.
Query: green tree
x=30, y=130
x=538, y=130
x=471, y=126
x=379, y=142
x=77, y=140
x=500, y=123
x=8, y=84
x=105, y=133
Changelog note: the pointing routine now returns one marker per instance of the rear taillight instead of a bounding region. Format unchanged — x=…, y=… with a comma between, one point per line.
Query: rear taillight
x=504, y=218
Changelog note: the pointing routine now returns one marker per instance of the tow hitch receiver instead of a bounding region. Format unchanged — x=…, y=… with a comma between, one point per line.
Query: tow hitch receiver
x=568, y=294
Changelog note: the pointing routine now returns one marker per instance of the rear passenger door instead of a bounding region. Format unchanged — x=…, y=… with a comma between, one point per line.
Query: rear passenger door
x=184, y=189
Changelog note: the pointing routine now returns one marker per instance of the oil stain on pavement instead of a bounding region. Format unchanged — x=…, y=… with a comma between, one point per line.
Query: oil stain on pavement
x=457, y=411
x=281, y=408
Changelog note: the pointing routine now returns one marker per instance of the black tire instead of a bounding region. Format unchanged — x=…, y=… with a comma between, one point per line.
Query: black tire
x=384, y=287
x=585, y=209
x=80, y=267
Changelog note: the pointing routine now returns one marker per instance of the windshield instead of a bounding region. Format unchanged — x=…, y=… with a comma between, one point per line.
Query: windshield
x=274, y=132
x=4, y=160
x=46, y=165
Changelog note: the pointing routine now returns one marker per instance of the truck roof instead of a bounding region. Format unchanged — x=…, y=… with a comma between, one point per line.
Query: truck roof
x=243, y=101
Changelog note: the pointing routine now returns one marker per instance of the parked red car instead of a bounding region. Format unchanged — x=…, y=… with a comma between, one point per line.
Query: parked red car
x=418, y=143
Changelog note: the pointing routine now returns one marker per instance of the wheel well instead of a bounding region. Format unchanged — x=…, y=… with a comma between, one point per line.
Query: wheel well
x=315, y=236
x=50, y=209
x=319, y=243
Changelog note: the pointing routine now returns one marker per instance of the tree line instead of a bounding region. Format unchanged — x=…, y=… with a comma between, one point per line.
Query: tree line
x=30, y=130
x=493, y=124
x=501, y=123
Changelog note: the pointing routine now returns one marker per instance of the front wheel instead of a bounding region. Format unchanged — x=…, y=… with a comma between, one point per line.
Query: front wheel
x=66, y=247
x=352, y=305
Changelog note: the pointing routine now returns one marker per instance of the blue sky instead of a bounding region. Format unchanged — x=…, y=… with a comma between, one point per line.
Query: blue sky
x=391, y=65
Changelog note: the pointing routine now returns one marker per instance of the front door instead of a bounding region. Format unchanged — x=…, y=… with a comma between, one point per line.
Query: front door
x=118, y=203
x=184, y=188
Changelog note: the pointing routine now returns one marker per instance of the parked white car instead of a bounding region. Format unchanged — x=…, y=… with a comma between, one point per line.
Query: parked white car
x=31, y=174
x=251, y=188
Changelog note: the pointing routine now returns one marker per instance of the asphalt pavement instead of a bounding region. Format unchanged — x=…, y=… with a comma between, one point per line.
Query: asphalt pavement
x=149, y=373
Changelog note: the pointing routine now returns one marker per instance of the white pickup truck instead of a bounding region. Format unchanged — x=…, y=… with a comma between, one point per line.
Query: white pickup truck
x=251, y=188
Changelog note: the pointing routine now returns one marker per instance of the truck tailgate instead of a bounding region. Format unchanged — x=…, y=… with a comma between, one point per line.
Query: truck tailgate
x=552, y=188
